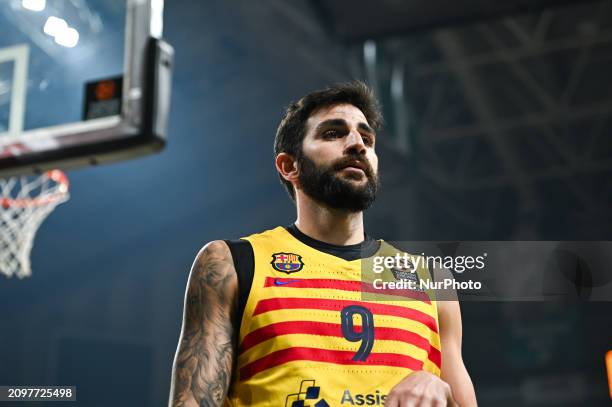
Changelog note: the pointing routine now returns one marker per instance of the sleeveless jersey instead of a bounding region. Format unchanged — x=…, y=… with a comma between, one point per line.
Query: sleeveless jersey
x=311, y=336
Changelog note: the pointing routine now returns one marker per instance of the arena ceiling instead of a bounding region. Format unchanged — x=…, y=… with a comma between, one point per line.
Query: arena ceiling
x=490, y=106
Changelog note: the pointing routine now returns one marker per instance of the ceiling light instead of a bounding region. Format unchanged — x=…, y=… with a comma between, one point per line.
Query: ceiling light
x=34, y=5
x=54, y=26
x=68, y=37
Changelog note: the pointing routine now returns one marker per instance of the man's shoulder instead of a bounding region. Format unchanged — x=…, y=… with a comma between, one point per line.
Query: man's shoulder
x=214, y=256
x=213, y=268
x=214, y=248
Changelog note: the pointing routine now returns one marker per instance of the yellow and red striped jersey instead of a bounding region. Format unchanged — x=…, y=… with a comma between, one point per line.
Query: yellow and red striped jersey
x=310, y=337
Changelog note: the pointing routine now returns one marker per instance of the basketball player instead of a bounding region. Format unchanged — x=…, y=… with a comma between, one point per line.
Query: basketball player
x=277, y=319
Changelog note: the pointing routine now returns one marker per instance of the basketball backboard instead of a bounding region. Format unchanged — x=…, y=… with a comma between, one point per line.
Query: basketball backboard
x=81, y=82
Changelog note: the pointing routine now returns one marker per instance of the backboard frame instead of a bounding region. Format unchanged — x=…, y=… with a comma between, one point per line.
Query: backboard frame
x=139, y=129
x=19, y=54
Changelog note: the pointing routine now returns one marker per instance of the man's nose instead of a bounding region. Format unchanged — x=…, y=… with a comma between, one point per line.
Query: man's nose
x=354, y=143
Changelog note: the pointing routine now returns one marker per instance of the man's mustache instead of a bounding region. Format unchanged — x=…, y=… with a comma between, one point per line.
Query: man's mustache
x=351, y=159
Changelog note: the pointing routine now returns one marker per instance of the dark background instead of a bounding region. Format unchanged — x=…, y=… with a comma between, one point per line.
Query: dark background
x=498, y=128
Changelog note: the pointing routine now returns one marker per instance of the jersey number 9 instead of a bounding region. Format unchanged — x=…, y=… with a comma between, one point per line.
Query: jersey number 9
x=366, y=333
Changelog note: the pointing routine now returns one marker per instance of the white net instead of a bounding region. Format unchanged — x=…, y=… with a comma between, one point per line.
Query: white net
x=25, y=202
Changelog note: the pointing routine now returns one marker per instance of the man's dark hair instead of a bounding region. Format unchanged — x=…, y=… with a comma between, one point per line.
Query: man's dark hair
x=292, y=129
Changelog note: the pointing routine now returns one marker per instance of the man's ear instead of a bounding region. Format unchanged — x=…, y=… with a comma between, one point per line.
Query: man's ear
x=287, y=167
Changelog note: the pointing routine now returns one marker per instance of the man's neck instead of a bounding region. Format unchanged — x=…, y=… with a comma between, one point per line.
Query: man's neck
x=329, y=225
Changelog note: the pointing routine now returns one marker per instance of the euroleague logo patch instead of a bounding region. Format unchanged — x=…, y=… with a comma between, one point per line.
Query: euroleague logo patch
x=287, y=262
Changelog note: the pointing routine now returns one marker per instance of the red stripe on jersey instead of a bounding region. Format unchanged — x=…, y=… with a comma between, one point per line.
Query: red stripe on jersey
x=345, y=285
x=273, y=304
x=339, y=357
x=328, y=329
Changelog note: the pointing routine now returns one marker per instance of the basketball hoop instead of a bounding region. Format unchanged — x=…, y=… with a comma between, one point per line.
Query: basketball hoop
x=25, y=202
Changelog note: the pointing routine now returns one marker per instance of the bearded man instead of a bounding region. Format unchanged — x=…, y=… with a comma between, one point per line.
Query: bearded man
x=278, y=318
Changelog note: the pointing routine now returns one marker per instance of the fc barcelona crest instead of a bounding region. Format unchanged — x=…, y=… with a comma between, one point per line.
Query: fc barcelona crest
x=287, y=262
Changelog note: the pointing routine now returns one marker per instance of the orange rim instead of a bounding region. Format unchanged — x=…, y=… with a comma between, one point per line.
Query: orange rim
x=609, y=369
x=57, y=176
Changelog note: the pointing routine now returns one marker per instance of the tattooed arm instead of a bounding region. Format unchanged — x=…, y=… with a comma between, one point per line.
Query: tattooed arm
x=202, y=367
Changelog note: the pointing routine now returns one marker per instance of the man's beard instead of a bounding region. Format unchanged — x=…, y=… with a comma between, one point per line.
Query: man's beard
x=323, y=184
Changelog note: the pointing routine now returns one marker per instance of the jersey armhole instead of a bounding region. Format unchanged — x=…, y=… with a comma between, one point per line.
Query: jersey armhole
x=244, y=263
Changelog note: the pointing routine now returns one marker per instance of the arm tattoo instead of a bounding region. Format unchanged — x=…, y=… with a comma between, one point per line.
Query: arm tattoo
x=203, y=363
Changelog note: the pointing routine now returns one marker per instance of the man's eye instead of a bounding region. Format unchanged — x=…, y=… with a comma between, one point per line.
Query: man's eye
x=330, y=133
x=368, y=140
